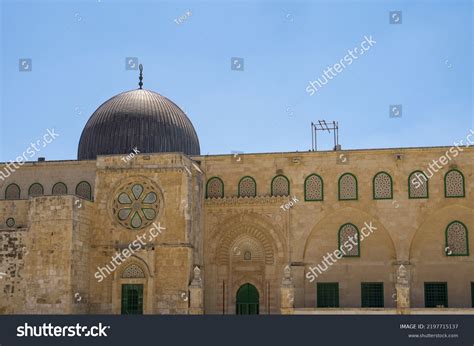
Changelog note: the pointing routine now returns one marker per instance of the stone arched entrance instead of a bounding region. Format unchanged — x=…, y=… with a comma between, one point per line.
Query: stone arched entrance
x=247, y=300
x=248, y=249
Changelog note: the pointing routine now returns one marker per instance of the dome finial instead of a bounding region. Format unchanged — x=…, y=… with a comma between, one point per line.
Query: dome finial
x=140, y=84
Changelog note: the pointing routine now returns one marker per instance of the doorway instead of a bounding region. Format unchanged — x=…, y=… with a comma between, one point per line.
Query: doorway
x=247, y=302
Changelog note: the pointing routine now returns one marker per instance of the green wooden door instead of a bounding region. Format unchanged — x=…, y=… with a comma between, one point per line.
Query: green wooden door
x=132, y=299
x=247, y=300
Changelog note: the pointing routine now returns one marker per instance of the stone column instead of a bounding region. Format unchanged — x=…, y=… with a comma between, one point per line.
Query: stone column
x=287, y=292
x=402, y=285
x=196, y=294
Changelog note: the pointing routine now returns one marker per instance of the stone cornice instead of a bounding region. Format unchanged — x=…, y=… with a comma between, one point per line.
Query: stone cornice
x=236, y=201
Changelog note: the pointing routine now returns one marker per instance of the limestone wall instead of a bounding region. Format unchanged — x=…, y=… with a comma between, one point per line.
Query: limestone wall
x=409, y=231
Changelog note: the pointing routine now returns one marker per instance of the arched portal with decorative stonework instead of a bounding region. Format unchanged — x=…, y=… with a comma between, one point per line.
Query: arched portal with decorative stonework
x=133, y=286
x=249, y=250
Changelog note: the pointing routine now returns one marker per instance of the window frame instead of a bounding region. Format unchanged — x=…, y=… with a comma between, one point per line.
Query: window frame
x=356, y=188
x=373, y=186
x=322, y=188
x=238, y=187
x=207, y=185
x=339, y=240
x=90, y=190
x=443, y=283
x=6, y=189
x=446, y=239
x=59, y=182
x=271, y=185
x=29, y=190
x=427, y=185
x=463, y=184
x=319, y=294
x=363, y=303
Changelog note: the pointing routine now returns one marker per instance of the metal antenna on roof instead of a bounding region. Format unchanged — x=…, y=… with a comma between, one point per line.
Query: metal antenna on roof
x=140, y=84
x=324, y=126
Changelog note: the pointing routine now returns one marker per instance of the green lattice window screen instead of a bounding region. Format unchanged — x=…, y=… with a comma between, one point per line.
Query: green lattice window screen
x=436, y=294
x=327, y=295
x=372, y=295
x=132, y=299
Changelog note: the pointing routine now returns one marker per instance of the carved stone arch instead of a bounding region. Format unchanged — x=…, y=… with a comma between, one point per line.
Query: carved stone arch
x=246, y=243
x=243, y=281
x=435, y=223
x=225, y=247
x=326, y=230
x=137, y=261
x=254, y=226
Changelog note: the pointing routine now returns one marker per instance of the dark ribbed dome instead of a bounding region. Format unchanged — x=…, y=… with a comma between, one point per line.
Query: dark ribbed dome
x=137, y=118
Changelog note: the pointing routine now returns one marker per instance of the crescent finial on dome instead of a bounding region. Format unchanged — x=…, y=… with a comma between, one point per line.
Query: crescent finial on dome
x=140, y=84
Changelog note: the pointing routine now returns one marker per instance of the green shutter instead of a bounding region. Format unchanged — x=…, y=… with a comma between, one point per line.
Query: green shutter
x=436, y=294
x=372, y=295
x=327, y=294
x=132, y=299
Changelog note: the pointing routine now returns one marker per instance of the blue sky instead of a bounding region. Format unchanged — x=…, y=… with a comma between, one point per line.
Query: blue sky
x=78, y=52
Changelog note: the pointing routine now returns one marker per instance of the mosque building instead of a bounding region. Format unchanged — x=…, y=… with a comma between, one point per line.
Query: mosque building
x=142, y=223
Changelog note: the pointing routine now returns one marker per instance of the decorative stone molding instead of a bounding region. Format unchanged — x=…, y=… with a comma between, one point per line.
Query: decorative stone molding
x=197, y=280
x=253, y=232
x=287, y=292
x=237, y=201
x=196, y=293
x=402, y=286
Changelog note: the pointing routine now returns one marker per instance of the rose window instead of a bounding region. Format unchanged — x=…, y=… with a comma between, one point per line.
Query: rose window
x=136, y=205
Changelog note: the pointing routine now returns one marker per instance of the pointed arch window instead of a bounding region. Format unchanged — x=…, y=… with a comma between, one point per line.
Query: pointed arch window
x=12, y=192
x=382, y=186
x=36, y=190
x=215, y=188
x=417, y=185
x=59, y=189
x=457, y=242
x=349, y=243
x=247, y=187
x=313, y=188
x=348, y=187
x=280, y=186
x=454, y=184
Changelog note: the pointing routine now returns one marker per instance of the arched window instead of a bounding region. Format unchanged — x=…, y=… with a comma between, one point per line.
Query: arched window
x=12, y=192
x=280, y=186
x=215, y=188
x=133, y=272
x=382, y=185
x=247, y=187
x=84, y=190
x=59, y=189
x=347, y=187
x=313, y=188
x=457, y=242
x=349, y=243
x=35, y=190
x=417, y=185
x=454, y=184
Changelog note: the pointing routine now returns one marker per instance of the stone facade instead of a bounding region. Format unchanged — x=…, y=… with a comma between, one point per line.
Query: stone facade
x=213, y=242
